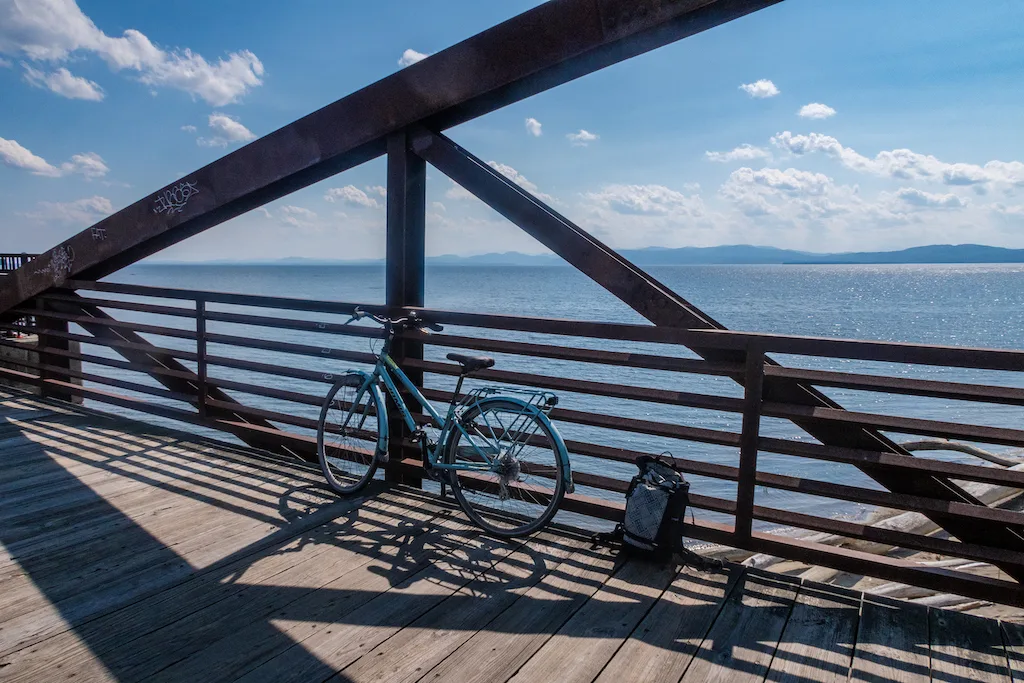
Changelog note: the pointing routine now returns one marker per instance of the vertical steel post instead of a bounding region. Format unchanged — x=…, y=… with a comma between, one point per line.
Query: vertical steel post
x=753, y=384
x=405, y=278
x=44, y=341
x=201, y=354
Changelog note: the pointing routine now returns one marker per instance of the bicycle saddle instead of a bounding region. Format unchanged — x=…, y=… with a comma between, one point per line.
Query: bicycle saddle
x=471, y=363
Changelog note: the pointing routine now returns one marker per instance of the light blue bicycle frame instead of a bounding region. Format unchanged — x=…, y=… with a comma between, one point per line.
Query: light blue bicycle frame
x=384, y=369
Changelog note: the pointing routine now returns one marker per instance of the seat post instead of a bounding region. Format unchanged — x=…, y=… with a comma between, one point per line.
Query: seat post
x=458, y=386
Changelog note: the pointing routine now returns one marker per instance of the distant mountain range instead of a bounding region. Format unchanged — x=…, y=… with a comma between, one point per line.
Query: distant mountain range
x=659, y=256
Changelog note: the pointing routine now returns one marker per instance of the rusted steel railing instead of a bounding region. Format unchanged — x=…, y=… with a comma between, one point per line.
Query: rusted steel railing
x=627, y=389
x=11, y=262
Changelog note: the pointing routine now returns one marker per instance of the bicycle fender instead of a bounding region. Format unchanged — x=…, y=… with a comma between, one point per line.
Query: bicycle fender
x=382, y=419
x=360, y=378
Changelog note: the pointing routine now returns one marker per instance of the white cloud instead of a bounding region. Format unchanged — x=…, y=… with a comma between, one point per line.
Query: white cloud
x=772, y=191
x=298, y=211
x=760, y=89
x=351, y=195
x=634, y=215
x=919, y=198
x=742, y=153
x=79, y=212
x=379, y=190
x=5, y=63
x=301, y=218
x=1009, y=212
x=533, y=127
x=905, y=164
x=64, y=83
x=410, y=57
x=458, y=192
x=89, y=164
x=520, y=180
x=189, y=128
x=54, y=30
x=17, y=156
x=227, y=129
x=582, y=138
x=652, y=200
x=816, y=110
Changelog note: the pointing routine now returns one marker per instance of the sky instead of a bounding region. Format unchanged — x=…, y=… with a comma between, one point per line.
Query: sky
x=824, y=126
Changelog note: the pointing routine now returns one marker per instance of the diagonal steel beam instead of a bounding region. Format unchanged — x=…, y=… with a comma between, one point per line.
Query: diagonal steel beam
x=660, y=305
x=544, y=47
x=142, y=359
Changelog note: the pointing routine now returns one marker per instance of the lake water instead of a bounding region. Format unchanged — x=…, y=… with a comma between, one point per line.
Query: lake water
x=974, y=305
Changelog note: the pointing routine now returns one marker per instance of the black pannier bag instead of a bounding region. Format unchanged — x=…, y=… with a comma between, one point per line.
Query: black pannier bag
x=652, y=527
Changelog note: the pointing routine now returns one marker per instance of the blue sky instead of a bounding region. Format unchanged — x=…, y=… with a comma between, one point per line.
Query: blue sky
x=914, y=133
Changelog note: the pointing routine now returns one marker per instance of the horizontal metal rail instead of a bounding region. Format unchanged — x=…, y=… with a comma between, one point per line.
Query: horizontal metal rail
x=853, y=349
x=11, y=262
x=272, y=425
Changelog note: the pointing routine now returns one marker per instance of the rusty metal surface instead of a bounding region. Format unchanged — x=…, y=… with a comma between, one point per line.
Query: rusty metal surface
x=544, y=47
x=237, y=420
x=144, y=354
x=9, y=262
x=805, y=405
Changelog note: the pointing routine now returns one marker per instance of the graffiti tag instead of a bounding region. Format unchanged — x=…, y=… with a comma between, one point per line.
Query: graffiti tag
x=99, y=234
x=175, y=199
x=61, y=262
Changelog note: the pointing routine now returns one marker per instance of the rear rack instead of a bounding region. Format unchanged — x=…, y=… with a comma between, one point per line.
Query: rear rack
x=542, y=400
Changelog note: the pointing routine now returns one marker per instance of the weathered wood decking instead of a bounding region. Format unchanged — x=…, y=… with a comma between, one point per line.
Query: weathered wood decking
x=133, y=553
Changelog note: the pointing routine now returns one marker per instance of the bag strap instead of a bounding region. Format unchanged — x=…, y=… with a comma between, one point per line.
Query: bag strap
x=608, y=538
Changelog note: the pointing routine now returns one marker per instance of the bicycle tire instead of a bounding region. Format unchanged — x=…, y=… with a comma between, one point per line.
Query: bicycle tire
x=471, y=489
x=349, y=459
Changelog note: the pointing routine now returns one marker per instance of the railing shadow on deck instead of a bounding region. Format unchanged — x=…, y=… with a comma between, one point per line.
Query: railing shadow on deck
x=419, y=547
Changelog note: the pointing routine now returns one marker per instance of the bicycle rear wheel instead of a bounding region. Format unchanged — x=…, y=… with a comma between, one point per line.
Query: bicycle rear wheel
x=521, y=492
x=349, y=433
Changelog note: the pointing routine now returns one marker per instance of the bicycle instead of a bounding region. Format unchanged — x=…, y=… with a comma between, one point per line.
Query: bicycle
x=497, y=449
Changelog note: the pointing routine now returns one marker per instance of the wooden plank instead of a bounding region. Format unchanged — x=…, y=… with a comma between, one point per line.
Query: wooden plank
x=1013, y=641
x=141, y=502
x=432, y=637
x=39, y=618
x=892, y=642
x=817, y=644
x=110, y=641
x=126, y=574
x=665, y=642
x=586, y=642
x=498, y=651
x=328, y=635
x=966, y=648
x=210, y=643
x=740, y=644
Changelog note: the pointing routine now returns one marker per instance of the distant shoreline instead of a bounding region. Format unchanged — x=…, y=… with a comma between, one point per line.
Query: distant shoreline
x=936, y=254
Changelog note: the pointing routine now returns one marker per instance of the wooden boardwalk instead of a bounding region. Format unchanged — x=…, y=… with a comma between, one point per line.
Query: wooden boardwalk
x=134, y=553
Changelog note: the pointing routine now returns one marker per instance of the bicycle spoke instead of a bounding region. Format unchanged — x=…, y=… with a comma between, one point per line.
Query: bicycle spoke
x=524, y=487
x=347, y=437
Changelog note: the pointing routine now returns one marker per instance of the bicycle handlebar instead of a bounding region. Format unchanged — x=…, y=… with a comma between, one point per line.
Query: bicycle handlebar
x=410, y=321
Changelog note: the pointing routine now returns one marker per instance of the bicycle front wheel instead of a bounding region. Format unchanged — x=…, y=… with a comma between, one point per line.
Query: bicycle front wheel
x=349, y=433
x=521, y=490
